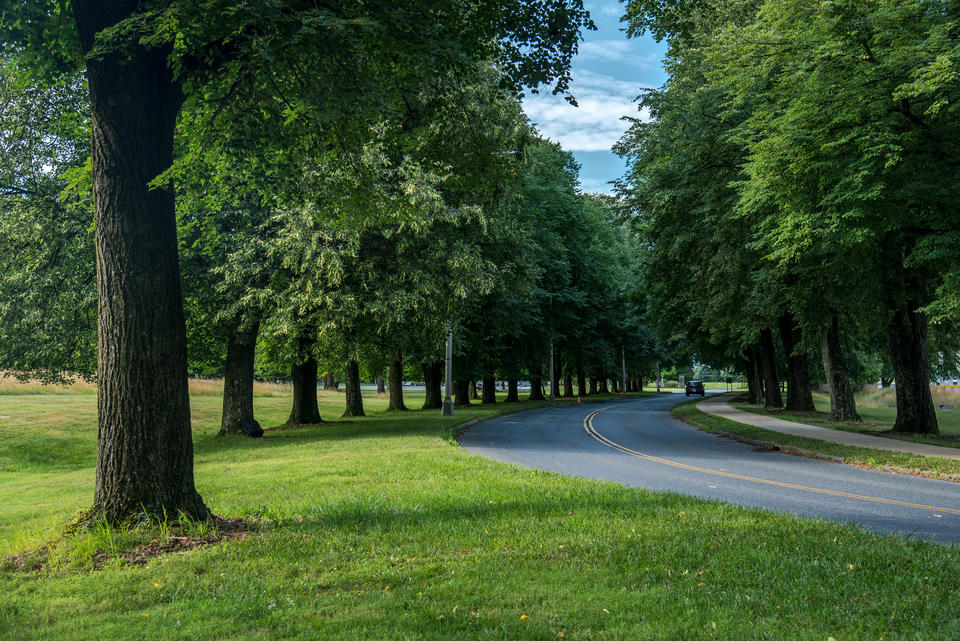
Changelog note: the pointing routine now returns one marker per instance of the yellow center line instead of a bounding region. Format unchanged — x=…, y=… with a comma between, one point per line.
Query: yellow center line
x=591, y=430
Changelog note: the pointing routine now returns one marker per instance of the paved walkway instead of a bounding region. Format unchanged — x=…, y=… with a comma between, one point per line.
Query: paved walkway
x=719, y=406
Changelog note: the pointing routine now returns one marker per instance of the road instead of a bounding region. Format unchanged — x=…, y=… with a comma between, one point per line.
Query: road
x=637, y=443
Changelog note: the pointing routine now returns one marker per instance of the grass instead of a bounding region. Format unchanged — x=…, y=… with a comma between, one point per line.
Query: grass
x=878, y=417
x=380, y=528
x=878, y=459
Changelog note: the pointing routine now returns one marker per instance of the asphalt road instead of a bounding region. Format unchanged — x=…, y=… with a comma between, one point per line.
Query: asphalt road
x=636, y=442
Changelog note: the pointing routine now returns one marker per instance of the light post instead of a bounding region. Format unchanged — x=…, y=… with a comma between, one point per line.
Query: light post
x=553, y=381
x=623, y=354
x=448, y=399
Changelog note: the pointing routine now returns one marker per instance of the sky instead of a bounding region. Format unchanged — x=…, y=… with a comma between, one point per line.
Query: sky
x=608, y=74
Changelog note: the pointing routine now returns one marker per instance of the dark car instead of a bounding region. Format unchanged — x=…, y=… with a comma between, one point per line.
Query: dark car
x=695, y=387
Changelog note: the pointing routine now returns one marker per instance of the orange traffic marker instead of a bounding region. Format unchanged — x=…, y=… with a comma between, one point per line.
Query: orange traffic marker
x=578, y=400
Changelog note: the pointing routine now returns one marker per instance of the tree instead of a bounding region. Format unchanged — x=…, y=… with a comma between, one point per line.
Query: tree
x=138, y=81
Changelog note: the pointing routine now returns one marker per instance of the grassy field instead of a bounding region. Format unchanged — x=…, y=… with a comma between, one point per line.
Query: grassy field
x=381, y=528
x=878, y=417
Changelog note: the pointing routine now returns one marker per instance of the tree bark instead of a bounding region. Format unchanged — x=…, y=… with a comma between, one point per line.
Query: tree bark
x=799, y=391
x=754, y=380
x=329, y=382
x=513, y=395
x=489, y=396
x=396, y=384
x=594, y=385
x=843, y=407
x=772, y=398
x=432, y=379
x=568, y=384
x=536, y=384
x=473, y=390
x=305, y=410
x=354, y=399
x=144, y=437
x=381, y=385
x=581, y=382
x=603, y=389
x=615, y=385
x=238, y=379
x=907, y=340
x=461, y=391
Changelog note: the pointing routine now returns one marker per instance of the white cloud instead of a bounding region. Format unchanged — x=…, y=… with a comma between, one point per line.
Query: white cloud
x=593, y=126
x=595, y=186
x=621, y=51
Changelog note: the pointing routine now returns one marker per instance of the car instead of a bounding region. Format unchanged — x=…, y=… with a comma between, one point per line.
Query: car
x=695, y=387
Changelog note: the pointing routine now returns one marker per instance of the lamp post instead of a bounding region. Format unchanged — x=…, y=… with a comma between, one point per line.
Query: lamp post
x=448, y=399
x=553, y=381
x=623, y=354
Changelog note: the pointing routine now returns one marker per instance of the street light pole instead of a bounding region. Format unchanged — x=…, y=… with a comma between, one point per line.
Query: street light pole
x=553, y=381
x=448, y=399
x=623, y=354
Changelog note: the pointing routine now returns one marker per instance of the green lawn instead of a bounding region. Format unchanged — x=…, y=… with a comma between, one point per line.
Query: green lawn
x=878, y=417
x=381, y=528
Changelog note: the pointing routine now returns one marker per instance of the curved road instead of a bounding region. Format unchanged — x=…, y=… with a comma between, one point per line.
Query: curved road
x=637, y=443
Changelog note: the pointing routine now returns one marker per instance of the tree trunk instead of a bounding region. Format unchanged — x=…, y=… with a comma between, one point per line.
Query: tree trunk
x=568, y=384
x=799, y=392
x=594, y=385
x=432, y=379
x=489, y=388
x=536, y=384
x=907, y=340
x=238, y=379
x=885, y=382
x=329, y=382
x=473, y=390
x=843, y=407
x=513, y=395
x=603, y=384
x=351, y=377
x=305, y=410
x=144, y=437
x=381, y=385
x=396, y=385
x=772, y=398
x=461, y=391
x=581, y=382
x=754, y=380
x=615, y=384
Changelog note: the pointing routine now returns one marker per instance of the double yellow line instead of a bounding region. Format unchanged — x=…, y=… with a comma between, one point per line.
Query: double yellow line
x=592, y=431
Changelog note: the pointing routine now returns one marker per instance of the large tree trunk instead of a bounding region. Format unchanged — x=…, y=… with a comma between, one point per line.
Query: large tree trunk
x=536, y=384
x=381, y=385
x=329, y=382
x=754, y=380
x=907, y=340
x=305, y=410
x=432, y=379
x=238, y=379
x=144, y=437
x=799, y=392
x=602, y=388
x=615, y=384
x=843, y=407
x=489, y=396
x=594, y=385
x=461, y=392
x=568, y=384
x=473, y=390
x=513, y=394
x=772, y=399
x=581, y=382
x=354, y=399
x=396, y=385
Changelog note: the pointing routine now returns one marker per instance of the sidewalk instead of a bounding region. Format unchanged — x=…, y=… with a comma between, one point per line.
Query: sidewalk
x=718, y=406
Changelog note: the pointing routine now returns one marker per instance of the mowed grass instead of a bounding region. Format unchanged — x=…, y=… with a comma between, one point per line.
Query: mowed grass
x=878, y=417
x=381, y=528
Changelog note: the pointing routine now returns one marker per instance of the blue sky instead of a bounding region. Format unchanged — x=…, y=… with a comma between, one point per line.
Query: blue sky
x=608, y=74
